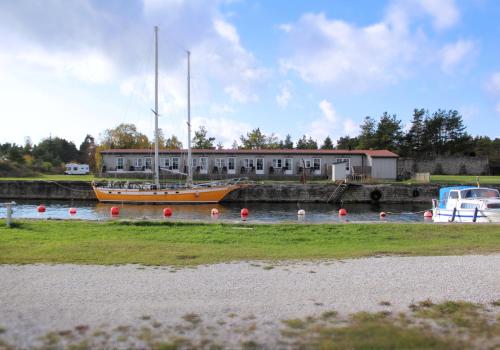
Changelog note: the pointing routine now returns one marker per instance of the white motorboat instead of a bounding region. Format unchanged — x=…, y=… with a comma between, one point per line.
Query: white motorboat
x=466, y=204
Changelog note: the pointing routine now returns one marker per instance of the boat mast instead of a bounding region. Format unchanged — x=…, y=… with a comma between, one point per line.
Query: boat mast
x=189, y=181
x=157, y=160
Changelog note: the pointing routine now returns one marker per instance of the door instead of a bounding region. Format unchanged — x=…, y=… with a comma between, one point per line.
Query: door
x=231, y=169
x=260, y=166
x=288, y=166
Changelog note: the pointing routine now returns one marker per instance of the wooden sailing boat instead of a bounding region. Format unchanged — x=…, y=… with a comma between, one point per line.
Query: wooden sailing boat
x=211, y=192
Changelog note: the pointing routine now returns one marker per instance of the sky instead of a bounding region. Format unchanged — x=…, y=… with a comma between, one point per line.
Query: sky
x=74, y=67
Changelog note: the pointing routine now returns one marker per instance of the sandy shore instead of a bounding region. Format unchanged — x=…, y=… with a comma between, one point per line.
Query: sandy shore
x=35, y=299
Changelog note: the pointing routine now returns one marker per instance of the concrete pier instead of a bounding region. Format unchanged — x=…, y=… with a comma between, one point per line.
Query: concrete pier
x=315, y=192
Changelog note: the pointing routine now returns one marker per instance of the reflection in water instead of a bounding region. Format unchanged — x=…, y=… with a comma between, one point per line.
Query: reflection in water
x=227, y=212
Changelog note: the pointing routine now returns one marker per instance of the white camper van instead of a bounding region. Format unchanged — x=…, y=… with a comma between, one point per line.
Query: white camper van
x=77, y=169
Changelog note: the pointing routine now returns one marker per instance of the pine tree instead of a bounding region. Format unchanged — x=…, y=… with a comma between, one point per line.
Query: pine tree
x=288, y=143
x=367, y=134
x=389, y=133
x=327, y=144
x=414, y=140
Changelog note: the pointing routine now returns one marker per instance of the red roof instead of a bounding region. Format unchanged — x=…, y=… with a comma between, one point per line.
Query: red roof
x=372, y=153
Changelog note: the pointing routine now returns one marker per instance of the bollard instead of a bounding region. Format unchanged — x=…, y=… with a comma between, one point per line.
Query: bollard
x=9, y=213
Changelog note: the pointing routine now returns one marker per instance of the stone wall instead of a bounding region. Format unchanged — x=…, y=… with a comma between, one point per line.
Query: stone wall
x=259, y=193
x=46, y=190
x=443, y=166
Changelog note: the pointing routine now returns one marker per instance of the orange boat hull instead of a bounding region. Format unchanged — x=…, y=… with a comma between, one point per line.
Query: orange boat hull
x=181, y=195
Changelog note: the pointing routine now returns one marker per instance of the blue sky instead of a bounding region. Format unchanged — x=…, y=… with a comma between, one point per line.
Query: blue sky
x=68, y=68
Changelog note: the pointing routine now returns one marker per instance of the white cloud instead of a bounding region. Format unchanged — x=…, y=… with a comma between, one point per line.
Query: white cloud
x=329, y=113
x=444, y=12
x=227, y=31
x=331, y=124
x=239, y=95
x=351, y=128
x=101, y=43
x=286, y=27
x=225, y=130
x=216, y=108
x=335, y=52
x=87, y=66
x=454, y=54
x=284, y=96
x=493, y=84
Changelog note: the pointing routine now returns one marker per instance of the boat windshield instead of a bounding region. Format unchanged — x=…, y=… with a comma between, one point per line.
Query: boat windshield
x=480, y=193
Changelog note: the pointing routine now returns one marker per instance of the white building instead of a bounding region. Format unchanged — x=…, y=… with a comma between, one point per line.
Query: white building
x=254, y=163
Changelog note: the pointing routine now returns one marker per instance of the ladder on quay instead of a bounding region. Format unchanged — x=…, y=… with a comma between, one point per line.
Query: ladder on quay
x=339, y=191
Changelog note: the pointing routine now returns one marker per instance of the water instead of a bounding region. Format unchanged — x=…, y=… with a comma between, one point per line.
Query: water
x=229, y=212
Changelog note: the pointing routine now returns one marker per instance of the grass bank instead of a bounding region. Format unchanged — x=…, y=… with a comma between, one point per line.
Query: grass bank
x=465, y=179
x=159, y=243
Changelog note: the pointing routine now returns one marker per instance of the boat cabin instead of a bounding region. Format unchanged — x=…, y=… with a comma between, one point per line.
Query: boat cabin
x=467, y=197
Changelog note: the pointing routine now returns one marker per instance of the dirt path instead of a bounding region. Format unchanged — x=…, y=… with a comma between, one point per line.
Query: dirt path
x=35, y=299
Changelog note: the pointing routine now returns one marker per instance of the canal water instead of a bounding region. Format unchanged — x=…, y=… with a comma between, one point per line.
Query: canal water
x=229, y=212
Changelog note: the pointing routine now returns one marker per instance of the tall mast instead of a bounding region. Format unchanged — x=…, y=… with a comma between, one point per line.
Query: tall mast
x=190, y=162
x=157, y=160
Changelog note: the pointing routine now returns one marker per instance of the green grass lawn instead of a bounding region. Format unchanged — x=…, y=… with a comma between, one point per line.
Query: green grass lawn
x=160, y=243
x=465, y=179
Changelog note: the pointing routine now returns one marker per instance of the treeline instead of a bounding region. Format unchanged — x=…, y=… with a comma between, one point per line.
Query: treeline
x=441, y=133
x=48, y=156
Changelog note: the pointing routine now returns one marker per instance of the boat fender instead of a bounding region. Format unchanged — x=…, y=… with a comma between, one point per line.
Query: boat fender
x=375, y=195
x=197, y=194
x=415, y=193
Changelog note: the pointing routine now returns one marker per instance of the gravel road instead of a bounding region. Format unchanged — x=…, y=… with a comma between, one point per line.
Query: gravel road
x=35, y=299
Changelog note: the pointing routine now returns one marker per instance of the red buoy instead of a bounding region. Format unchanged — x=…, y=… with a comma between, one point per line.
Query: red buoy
x=115, y=211
x=383, y=214
x=167, y=212
x=214, y=211
x=41, y=208
x=342, y=212
x=428, y=214
x=72, y=211
x=244, y=212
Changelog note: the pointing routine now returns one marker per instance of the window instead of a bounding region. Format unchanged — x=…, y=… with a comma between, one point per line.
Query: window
x=165, y=162
x=454, y=195
x=230, y=164
x=148, y=162
x=139, y=162
x=307, y=163
x=344, y=160
x=288, y=164
x=260, y=163
x=119, y=163
x=193, y=162
x=175, y=163
x=248, y=163
x=204, y=163
x=480, y=193
x=316, y=165
x=277, y=163
x=75, y=168
x=220, y=162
